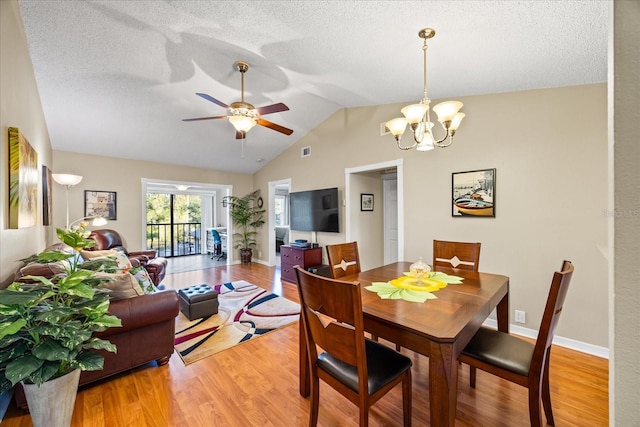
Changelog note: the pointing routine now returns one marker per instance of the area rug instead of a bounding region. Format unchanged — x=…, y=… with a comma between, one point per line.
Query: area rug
x=246, y=312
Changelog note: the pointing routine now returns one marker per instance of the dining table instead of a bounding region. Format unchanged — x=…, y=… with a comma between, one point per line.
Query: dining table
x=438, y=328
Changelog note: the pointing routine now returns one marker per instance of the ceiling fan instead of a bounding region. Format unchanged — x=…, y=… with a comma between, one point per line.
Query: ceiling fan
x=242, y=115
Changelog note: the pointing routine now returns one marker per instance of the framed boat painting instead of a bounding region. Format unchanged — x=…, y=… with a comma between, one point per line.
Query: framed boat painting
x=474, y=194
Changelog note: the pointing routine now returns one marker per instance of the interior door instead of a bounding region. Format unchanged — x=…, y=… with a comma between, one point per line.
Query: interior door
x=390, y=200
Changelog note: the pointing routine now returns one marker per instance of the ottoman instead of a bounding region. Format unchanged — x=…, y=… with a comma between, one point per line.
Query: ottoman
x=198, y=301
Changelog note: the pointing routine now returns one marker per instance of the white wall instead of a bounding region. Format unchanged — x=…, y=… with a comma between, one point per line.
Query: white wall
x=19, y=107
x=550, y=151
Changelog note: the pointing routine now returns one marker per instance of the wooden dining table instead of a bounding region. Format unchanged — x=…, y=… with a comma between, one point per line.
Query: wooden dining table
x=438, y=328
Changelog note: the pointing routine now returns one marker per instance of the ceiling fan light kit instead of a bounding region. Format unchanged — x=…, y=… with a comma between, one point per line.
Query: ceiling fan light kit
x=417, y=116
x=242, y=115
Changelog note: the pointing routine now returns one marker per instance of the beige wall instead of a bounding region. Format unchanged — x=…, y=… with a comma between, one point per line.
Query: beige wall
x=624, y=125
x=19, y=107
x=550, y=151
x=125, y=178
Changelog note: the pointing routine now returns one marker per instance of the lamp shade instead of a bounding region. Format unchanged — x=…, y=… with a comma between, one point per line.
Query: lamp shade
x=396, y=126
x=456, y=121
x=414, y=112
x=66, y=179
x=446, y=111
x=242, y=123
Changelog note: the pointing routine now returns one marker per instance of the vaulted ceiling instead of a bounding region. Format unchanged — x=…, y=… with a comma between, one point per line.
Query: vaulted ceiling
x=116, y=78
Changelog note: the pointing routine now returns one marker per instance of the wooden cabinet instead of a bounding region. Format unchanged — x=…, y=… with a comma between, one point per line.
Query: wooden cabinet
x=290, y=257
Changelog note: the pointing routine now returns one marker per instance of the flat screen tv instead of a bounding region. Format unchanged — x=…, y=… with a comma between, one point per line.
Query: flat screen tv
x=315, y=210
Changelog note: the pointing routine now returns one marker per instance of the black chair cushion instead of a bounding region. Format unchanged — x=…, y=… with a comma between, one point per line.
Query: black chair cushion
x=383, y=363
x=502, y=350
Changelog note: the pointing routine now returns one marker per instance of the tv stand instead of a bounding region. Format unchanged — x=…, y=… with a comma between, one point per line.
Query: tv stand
x=304, y=257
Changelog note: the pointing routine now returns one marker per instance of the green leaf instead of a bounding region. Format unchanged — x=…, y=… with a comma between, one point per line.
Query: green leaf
x=108, y=321
x=8, y=328
x=20, y=368
x=47, y=371
x=89, y=361
x=100, y=344
x=50, y=350
x=81, y=290
x=10, y=297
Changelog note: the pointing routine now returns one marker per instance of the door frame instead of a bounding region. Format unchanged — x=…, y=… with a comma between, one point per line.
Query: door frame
x=271, y=223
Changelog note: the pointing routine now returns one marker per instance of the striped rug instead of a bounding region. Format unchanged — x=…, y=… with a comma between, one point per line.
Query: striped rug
x=246, y=311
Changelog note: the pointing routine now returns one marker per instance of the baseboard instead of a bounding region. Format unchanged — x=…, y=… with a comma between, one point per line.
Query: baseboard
x=580, y=346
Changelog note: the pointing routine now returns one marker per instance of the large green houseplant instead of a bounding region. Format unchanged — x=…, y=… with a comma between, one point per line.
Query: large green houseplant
x=47, y=324
x=248, y=215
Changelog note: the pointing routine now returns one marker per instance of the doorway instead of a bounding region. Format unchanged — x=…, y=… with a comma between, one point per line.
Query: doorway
x=278, y=218
x=177, y=216
x=380, y=231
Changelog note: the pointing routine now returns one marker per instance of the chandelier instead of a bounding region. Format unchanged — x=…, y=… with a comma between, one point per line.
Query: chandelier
x=418, y=115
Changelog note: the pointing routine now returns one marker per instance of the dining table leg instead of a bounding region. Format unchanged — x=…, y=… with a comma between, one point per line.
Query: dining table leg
x=502, y=313
x=305, y=384
x=443, y=384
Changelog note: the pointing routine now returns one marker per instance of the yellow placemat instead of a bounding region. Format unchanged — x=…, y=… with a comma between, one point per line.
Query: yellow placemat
x=410, y=288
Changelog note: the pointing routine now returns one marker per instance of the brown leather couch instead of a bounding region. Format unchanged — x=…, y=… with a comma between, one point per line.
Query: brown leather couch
x=147, y=333
x=111, y=239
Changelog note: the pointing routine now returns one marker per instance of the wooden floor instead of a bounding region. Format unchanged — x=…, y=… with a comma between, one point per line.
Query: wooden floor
x=256, y=384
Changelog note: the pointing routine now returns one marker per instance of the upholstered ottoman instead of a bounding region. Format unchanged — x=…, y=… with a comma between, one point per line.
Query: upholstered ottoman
x=198, y=301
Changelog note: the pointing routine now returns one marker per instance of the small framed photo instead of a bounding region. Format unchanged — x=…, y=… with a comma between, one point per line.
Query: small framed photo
x=474, y=194
x=366, y=202
x=100, y=203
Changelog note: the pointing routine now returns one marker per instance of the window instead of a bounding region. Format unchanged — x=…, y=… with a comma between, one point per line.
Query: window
x=281, y=207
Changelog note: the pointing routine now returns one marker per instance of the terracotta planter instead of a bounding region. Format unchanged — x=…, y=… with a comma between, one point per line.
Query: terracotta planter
x=245, y=256
x=52, y=403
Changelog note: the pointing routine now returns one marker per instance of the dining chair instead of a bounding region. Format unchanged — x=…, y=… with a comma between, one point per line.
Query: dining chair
x=461, y=255
x=520, y=361
x=360, y=369
x=344, y=259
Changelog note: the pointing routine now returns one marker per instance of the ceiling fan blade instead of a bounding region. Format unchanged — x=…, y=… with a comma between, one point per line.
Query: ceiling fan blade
x=271, y=125
x=204, y=118
x=212, y=99
x=273, y=108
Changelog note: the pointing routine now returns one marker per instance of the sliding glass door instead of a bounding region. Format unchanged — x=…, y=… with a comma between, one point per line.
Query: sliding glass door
x=174, y=224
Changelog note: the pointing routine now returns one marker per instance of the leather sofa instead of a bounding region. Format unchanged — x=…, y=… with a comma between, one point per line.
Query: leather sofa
x=110, y=239
x=147, y=333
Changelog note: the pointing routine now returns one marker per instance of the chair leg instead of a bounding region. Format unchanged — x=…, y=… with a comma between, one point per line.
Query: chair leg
x=472, y=376
x=534, y=404
x=315, y=400
x=364, y=416
x=406, y=399
x=546, y=392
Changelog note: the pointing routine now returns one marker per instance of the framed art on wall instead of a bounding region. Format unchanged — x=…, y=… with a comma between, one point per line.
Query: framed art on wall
x=473, y=193
x=23, y=181
x=100, y=203
x=366, y=202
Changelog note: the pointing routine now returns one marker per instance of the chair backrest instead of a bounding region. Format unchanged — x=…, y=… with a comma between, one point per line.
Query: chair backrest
x=461, y=255
x=332, y=317
x=552, y=310
x=216, y=236
x=344, y=259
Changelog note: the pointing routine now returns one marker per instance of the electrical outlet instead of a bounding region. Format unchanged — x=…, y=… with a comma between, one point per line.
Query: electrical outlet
x=520, y=316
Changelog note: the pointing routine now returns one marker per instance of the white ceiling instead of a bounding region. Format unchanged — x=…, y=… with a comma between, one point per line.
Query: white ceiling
x=117, y=77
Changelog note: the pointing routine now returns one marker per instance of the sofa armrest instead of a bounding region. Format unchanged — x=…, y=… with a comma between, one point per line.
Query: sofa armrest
x=141, y=311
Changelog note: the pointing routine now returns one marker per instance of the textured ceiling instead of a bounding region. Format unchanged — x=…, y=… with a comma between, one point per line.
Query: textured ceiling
x=117, y=77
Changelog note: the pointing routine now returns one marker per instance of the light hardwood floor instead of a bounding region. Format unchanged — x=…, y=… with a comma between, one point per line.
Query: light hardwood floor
x=256, y=384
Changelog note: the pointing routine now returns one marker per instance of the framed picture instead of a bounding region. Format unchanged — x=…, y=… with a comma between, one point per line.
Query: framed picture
x=366, y=202
x=47, y=200
x=474, y=193
x=100, y=203
x=23, y=181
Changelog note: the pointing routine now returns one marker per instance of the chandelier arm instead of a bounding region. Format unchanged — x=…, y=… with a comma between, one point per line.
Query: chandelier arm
x=405, y=148
x=440, y=144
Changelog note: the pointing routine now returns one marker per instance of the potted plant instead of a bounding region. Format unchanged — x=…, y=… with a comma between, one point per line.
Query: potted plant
x=47, y=326
x=248, y=214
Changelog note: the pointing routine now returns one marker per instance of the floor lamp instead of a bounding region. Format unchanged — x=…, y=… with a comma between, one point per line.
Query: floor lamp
x=68, y=181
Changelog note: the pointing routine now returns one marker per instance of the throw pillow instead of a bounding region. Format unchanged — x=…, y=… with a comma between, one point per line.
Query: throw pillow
x=145, y=282
x=96, y=254
x=121, y=285
x=122, y=261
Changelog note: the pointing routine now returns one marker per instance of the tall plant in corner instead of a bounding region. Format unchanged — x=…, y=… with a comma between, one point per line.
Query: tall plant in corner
x=246, y=214
x=47, y=324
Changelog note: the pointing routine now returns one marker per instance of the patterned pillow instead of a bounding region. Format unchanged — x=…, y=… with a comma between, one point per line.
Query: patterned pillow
x=121, y=285
x=145, y=282
x=122, y=261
